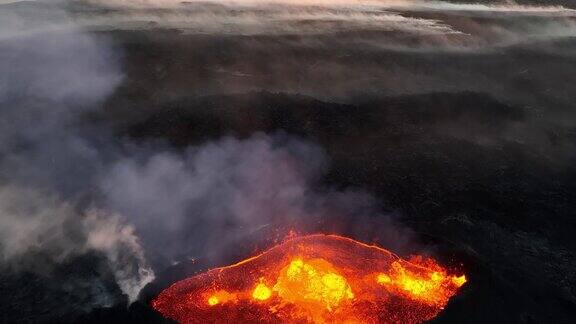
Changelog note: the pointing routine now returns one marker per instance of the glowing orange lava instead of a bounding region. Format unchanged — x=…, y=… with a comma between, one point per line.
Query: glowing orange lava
x=314, y=279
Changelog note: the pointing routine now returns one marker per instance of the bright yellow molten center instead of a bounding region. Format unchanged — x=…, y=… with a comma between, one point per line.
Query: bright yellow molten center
x=459, y=281
x=314, y=279
x=313, y=283
x=220, y=297
x=261, y=292
x=213, y=300
x=428, y=288
x=383, y=278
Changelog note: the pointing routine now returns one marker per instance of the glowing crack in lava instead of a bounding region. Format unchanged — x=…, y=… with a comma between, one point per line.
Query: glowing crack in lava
x=314, y=279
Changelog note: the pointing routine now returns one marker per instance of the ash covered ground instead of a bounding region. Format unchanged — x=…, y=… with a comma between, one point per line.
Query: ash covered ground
x=144, y=141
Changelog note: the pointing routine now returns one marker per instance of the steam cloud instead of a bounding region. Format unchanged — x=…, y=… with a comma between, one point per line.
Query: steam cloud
x=68, y=187
x=209, y=197
x=47, y=81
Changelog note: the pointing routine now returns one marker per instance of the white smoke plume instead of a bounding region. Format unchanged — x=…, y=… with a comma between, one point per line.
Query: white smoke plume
x=107, y=234
x=209, y=196
x=34, y=223
x=198, y=203
x=68, y=189
x=47, y=80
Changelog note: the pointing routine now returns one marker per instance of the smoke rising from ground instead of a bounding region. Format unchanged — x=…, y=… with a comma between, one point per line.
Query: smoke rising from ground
x=200, y=202
x=34, y=223
x=68, y=187
x=47, y=81
x=212, y=195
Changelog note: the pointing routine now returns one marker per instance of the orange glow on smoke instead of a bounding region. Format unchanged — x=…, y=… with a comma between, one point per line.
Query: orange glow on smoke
x=314, y=279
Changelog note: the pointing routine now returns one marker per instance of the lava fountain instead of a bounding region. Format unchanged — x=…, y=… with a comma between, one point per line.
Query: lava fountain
x=314, y=279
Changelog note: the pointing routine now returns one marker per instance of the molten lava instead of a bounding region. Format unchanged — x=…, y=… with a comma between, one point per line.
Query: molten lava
x=314, y=279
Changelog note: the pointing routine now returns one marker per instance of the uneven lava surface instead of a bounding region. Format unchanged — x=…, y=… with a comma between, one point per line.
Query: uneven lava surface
x=314, y=279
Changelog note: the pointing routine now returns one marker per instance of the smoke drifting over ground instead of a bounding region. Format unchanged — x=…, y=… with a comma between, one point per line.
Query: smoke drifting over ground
x=305, y=43
x=509, y=23
x=69, y=187
x=48, y=163
x=210, y=196
x=203, y=201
